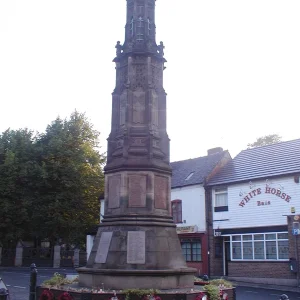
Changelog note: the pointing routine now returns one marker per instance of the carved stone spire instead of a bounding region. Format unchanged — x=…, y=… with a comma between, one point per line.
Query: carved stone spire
x=136, y=244
x=140, y=27
x=138, y=137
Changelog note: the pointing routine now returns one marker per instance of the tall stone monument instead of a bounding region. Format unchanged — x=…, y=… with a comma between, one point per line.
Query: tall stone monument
x=137, y=245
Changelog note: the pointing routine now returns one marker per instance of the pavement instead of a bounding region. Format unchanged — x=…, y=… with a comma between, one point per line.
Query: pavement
x=266, y=286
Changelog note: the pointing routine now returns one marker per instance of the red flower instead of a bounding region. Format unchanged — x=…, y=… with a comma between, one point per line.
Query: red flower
x=200, y=296
x=65, y=296
x=46, y=295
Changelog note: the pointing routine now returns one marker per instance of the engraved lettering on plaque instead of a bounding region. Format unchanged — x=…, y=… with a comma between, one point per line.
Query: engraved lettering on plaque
x=114, y=187
x=138, y=107
x=103, y=247
x=136, y=250
x=161, y=189
x=137, y=190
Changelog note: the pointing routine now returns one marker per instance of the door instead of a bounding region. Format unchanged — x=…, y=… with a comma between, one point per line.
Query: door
x=227, y=257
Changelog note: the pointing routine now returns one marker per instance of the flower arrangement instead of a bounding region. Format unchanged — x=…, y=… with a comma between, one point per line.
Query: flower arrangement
x=200, y=296
x=65, y=296
x=46, y=295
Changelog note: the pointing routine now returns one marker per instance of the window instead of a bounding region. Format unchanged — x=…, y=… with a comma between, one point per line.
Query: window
x=189, y=176
x=191, y=250
x=221, y=199
x=260, y=246
x=177, y=211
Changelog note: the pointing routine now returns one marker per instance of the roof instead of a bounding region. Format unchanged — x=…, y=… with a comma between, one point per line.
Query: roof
x=199, y=168
x=262, y=162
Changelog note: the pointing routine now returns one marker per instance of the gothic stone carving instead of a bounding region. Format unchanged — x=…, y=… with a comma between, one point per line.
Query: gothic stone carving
x=138, y=106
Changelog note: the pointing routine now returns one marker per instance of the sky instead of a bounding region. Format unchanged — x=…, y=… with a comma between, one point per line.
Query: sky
x=232, y=72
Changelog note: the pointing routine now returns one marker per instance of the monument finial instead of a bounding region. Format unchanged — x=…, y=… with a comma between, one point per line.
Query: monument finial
x=140, y=26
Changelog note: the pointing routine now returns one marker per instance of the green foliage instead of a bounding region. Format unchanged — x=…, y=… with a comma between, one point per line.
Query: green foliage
x=265, y=140
x=56, y=281
x=217, y=282
x=17, y=167
x=213, y=291
x=50, y=183
x=130, y=293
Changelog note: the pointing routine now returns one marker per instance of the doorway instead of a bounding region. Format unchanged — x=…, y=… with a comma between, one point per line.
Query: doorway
x=227, y=256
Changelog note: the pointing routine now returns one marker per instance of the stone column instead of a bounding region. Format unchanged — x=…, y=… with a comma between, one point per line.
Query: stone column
x=19, y=255
x=76, y=258
x=56, y=257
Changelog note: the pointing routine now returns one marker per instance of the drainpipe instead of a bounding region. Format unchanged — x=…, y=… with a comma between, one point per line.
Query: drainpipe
x=207, y=202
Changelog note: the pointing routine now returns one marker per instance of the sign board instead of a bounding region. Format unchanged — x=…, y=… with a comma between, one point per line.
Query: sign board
x=186, y=229
x=296, y=231
x=217, y=232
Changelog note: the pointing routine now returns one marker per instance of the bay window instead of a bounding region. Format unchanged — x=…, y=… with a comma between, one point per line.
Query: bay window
x=261, y=246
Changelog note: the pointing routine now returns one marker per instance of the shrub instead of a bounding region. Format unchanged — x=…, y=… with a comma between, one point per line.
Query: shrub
x=218, y=282
x=131, y=293
x=212, y=291
x=56, y=280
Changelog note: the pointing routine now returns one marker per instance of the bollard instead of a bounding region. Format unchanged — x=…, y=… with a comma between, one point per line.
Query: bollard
x=33, y=279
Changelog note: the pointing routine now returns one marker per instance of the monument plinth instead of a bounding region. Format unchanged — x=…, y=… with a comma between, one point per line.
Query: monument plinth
x=137, y=245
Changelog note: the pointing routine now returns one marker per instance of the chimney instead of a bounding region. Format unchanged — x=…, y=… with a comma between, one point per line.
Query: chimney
x=214, y=150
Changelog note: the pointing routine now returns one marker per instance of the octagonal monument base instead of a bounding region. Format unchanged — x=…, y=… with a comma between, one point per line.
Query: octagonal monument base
x=137, y=252
x=142, y=279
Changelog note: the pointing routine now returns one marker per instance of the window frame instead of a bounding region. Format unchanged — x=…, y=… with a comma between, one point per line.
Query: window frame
x=177, y=203
x=242, y=240
x=191, y=243
x=222, y=190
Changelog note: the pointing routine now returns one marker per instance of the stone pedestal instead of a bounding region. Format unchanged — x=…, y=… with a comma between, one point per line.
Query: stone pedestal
x=19, y=255
x=147, y=255
x=56, y=257
x=76, y=258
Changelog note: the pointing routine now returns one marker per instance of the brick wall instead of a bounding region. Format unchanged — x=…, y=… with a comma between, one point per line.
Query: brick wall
x=260, y=270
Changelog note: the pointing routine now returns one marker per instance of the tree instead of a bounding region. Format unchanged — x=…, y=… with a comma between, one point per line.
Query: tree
x=71, y=181
x=17, y=166
x=265, y=140
x=50, y=183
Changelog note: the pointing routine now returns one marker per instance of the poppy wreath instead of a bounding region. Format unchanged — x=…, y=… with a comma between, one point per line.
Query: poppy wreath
x=65, y=296
x=46, y=295
x=200, y=296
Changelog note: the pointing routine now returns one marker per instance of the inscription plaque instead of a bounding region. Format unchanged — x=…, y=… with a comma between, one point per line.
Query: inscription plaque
x=161, y=192
x=114, y=187
x=137, y=190
x=103, y=247
x=136, y=250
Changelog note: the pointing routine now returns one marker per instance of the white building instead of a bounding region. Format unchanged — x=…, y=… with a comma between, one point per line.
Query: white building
x=252, y=205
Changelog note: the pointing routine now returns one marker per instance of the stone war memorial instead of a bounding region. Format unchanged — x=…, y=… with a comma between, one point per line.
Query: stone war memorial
x=136, y=244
